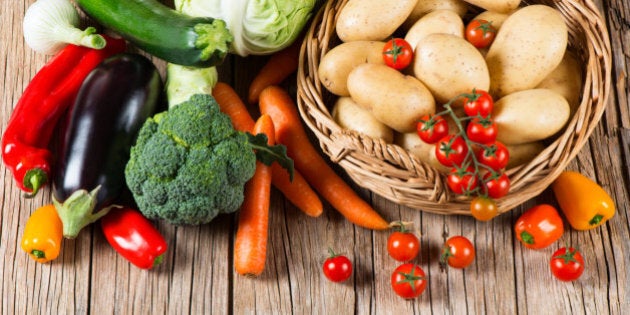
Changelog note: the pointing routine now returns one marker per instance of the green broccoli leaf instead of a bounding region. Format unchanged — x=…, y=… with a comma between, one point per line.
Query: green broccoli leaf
x=268, y=154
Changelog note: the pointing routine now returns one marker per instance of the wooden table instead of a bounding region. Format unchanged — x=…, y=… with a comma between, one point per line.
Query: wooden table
x=197, y=274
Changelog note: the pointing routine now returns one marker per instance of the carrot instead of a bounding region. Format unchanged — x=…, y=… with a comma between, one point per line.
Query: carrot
x=278, y=67
x=250, y=245
x=298, y=191
x=231, y=104
x=276, y=102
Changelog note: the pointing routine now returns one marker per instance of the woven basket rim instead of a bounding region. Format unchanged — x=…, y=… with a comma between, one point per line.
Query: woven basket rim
x=394, y=173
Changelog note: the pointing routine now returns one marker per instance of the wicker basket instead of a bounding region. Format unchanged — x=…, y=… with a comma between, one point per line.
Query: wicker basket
x=392, y=172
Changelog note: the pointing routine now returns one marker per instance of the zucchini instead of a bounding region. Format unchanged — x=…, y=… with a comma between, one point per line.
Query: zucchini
x=163, y=32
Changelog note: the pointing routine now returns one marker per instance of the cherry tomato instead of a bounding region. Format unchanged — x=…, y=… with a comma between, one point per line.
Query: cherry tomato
x=337, y=268
x=497, y=184
x=483, y=208
x=403, y=245
x=462, y=180
x=494, y=155
x=408, y=281
x=567, y=265
x=482, y=130
x=397, y=53
x=457, y=252
x=480, y=33
x=479, y=102
x=451, y=150
x=539, y=226
x=432, y=128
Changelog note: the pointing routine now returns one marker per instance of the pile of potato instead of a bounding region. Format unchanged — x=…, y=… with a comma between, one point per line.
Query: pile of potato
x=534, y=80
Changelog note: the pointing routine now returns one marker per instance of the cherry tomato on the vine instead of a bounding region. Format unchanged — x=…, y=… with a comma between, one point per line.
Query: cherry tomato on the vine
x=483, y=208
x=403, y=245
x=408, y=281
x=451, y=150
x=478, y=102
x=480, y=33
x=497, y=184
x=462, y=180
x=432, y=128
x=539, y=226
x=337, y=268
x=494, y=155
x=482, y=130
x=567, y=264
x=397, y=53
x=457, y=252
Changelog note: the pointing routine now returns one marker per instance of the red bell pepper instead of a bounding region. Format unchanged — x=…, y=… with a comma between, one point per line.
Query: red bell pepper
x=47, y=97
x=134, y=237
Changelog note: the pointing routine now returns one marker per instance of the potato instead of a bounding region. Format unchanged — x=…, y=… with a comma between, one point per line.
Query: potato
x=501, y=6
x=421, y=150
x=529, y=115
x=523, y=153
x=566, y=79
x=449, y=65
x=496, y=18
x=394, y=99
x=338, y=62
x=372, y=19
x=528, y=47
x=439, y=21
x=353, y=117
x=424, y=7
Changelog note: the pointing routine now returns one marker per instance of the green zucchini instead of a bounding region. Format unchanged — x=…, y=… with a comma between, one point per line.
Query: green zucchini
x=163, y=32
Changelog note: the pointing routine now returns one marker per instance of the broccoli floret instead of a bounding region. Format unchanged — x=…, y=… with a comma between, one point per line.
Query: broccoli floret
x=189, y=164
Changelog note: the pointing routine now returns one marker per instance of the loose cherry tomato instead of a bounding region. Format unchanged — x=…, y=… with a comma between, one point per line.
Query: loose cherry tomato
x=397, y=53
x=462, y=180
x=457, y=252
x=567, y=265
x=451, y=150
x=408, y=281
x=494, y=155
x=337, y=268
x=497, y=184
x=480, y=33
x=432, y=128
x=479, y=102
x=483, y=208
x=403, y=245
x=539, y=226
x=482, y=130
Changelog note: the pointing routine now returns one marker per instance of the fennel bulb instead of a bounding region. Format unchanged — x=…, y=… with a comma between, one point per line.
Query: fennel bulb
x=49, y=25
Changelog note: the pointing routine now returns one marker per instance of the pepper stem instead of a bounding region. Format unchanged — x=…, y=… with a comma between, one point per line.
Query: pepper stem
x=38, y=254
x=76, y=212
x=34, y=179
x=596, y=219
x=527, y=238
x=158, y=260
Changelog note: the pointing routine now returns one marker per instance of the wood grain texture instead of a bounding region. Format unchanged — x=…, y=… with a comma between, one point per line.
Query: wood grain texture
x=197, y=275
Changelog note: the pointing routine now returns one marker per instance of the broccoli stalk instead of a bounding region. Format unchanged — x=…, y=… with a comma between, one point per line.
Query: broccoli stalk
x=189, y=164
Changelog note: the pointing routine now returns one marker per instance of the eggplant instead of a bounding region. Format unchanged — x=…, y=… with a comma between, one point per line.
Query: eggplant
x=113, y=103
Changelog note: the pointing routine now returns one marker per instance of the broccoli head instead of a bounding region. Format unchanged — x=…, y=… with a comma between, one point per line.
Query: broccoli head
x=189, y=164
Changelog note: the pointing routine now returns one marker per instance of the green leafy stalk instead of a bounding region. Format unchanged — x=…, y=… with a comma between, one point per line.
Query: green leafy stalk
x=268, y=154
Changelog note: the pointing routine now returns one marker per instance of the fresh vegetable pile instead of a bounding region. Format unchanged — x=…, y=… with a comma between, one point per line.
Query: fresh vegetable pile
x=195, y=152
x=177, y=155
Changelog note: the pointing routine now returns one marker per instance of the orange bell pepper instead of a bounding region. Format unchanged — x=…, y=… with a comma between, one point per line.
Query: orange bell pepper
x=584, y=203
x=43, y=234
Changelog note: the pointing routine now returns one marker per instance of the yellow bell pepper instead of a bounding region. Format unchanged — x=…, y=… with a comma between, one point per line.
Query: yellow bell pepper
x=584, y=203
x=43, y=234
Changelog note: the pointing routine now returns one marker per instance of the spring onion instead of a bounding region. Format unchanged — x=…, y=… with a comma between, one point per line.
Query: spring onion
x=49, y=25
